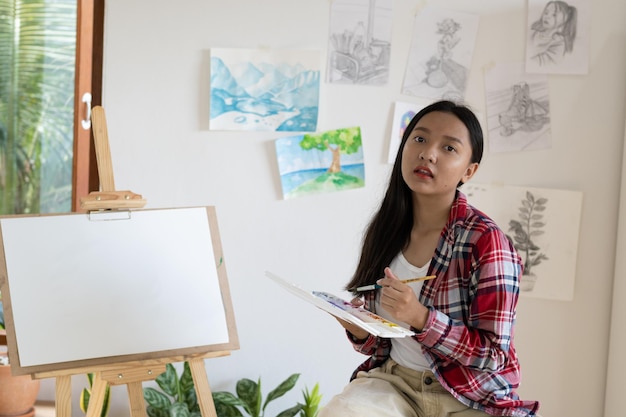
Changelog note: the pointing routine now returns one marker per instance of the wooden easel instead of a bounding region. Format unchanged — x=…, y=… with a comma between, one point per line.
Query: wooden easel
x=133, y=373
x=107, y=198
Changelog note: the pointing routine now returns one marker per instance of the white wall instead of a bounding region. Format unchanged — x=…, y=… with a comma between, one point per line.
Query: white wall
x=615, y=384
x=156, y=102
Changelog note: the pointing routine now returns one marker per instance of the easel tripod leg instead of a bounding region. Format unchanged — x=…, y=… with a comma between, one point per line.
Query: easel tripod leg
x=137, y=404
x=63, y=395
x=203, y=390
x=98, y=392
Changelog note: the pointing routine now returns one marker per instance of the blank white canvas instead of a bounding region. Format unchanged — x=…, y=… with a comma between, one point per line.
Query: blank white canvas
x=85, y=288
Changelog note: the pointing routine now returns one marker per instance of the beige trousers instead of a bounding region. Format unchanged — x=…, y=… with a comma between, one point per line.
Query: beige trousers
x=395, y=391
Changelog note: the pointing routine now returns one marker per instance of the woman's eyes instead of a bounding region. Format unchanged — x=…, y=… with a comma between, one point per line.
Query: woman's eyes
x=448, y=148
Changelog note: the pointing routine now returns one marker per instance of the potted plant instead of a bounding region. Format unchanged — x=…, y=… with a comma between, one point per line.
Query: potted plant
x=17, y=393
x=177, y=397
x=525, y=230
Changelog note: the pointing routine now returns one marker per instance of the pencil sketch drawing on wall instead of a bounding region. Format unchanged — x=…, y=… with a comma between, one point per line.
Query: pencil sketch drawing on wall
x=359, y=42
x=529, y=225
x=555, y=41
x=518, y=109
x=523, y=113
x=441, y=54
x=543, y=226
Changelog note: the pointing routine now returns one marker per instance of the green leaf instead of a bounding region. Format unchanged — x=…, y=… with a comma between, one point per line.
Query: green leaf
x=290, y=412
x=186, y=379
x=227, y=398
x=190, y=398
x=168, y=380
x=250, y=393
x=311, y=402
x=90, y=379
x=157, y=412
x=226, y=410
x=179, y=410
x=156, y=398
x=106, y=404
x=281, y=389
x=84, y=399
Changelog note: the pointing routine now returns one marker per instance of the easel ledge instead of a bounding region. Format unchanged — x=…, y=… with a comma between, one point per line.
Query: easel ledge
x=132, y=374
x=108, y=200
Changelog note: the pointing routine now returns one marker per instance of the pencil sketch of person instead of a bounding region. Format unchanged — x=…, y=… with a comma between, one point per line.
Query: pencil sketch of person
x=523, y=112
x=442, y=69
x=553, y=34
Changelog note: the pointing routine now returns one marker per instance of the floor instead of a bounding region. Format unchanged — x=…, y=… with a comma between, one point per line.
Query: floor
x=44, y=409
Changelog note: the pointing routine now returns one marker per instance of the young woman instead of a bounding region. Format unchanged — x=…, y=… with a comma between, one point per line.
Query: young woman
x=461, y=361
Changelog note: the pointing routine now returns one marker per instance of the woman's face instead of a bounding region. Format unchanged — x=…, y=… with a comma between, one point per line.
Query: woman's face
x=437, y=155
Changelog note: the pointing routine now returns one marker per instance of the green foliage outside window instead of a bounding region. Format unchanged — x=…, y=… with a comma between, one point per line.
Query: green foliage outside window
x=37, y=46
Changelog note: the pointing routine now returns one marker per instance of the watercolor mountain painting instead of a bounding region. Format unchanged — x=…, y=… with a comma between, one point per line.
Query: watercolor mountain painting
x=320, y=162
x=264, y=90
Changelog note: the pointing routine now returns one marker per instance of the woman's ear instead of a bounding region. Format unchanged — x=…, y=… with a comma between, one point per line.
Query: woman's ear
x=469, y=172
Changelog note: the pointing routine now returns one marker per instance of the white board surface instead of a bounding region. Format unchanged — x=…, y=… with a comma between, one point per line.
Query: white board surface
x=84, y=287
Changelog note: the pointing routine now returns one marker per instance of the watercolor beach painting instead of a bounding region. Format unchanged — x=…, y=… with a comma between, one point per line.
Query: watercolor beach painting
x=320, y=162
x=264, y=90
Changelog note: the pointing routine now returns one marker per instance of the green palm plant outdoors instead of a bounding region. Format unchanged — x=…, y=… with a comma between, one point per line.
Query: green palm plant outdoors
x=37, y=45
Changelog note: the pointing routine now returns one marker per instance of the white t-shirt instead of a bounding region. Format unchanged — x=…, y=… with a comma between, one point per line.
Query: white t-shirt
x=405, y=350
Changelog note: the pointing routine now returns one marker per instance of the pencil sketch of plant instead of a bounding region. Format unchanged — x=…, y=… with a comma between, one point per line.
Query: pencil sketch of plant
x=441, y=68
x=530, y=226
x=441, y=53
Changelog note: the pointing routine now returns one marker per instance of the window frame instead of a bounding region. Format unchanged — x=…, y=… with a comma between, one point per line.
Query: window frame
x=88, y=79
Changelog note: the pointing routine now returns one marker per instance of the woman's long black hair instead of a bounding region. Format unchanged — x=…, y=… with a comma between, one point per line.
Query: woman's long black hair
x=389, y=230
